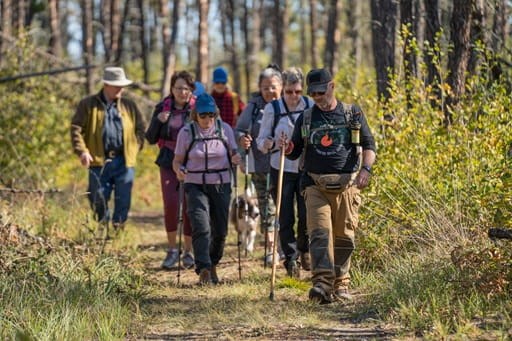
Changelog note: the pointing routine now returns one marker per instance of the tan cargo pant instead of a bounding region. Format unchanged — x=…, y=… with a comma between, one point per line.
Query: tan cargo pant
x=332, y=217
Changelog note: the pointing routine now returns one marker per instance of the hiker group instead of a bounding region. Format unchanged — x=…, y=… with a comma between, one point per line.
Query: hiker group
x=307, y=157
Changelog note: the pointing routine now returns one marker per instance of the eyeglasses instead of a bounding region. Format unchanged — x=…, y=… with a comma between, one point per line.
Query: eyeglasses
x=207, y=114
x=269, y=88
x=291, y=92
x=317, y=93
x=182, y=89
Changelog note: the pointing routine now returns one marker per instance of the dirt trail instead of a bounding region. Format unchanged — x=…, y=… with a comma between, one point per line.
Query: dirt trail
x=152, y=250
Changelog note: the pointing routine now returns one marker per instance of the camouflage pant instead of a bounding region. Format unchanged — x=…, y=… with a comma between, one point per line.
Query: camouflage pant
x=265, y=202
x=332, y=217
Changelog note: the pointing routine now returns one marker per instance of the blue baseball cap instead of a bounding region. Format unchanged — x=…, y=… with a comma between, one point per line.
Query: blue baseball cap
x=205, y=103
x=220, y=75
x=199, y=88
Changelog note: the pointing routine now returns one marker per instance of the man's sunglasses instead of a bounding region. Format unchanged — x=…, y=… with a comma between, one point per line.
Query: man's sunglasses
x=317, y=93
x=291, y=92
x=207, y=114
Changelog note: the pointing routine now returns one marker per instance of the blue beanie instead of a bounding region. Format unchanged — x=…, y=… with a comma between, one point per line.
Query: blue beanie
x=220, y=75
x=205, y=103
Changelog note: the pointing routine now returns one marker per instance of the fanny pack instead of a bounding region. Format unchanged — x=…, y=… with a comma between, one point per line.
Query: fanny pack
x=333, y=181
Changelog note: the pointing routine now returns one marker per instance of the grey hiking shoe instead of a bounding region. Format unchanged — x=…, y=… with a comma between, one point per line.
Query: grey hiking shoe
x=170, y=259
x=292, y=269
x=188, y=260
x=318, y=294
x=268, y=259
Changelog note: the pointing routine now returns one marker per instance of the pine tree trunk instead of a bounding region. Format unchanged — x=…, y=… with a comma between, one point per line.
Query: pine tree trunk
x=55, y=41
x=87, y=37
x=202, y=51
x=5, y=25
x=333, y=37
x=458, y=58
x=313, y=23
x=384, y=14
x=169, y=38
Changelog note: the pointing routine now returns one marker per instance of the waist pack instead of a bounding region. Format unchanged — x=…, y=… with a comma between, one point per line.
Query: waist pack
x=333, y=181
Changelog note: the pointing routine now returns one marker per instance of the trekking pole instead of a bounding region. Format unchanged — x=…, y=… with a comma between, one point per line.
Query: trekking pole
x=105, y=237
x=276, y=221
x=246, y=201
x=181, y=198
x=237, y=207
x=266, y=211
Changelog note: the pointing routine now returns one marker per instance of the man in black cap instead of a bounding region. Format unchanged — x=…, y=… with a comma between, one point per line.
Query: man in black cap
x=338, y=152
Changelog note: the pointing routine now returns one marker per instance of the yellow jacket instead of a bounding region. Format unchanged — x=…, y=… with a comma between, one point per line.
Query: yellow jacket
x=87, y=129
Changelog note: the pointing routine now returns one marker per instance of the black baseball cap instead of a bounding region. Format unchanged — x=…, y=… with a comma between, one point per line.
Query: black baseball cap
x=317, y=80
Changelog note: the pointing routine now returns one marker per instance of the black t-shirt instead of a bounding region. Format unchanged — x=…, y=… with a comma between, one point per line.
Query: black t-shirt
x=329, y=147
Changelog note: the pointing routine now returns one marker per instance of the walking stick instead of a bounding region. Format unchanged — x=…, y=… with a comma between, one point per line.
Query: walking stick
x=237, y=207
x=266, y=212
x=181, y=198
x=276, y=221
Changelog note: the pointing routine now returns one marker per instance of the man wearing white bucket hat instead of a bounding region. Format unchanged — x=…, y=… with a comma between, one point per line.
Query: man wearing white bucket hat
x=107, y=132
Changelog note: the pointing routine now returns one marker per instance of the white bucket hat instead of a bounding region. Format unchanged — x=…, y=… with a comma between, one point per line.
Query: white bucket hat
x=115, y=76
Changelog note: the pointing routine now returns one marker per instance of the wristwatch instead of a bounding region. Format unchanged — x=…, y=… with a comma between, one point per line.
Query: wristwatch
x=367, y=168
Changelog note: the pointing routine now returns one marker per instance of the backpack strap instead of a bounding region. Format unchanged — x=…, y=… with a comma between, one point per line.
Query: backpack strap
x=305, y=99
x=219, y=135
x=278, y=114
x=305, y=130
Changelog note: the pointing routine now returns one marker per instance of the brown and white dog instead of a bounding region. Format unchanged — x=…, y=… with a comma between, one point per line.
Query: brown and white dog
x=245, y=219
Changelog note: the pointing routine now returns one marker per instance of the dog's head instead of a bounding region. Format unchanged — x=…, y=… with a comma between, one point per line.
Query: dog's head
x=248, y=206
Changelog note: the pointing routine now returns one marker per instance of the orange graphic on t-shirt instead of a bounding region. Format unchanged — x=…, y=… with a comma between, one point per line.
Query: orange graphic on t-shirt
x=326, y=140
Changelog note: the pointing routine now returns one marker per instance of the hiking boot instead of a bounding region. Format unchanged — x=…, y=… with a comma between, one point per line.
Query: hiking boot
x=305, y=261
x=188, y=260
x=293, y=269
x=171, y=259
x=205, y=277
x=213, y=274
x=342, y=294
x=318, y=294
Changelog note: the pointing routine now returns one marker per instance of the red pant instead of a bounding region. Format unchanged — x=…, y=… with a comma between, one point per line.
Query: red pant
x=170, y=194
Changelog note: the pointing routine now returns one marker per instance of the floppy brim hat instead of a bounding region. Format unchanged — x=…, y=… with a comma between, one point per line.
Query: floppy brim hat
x=317, y=80
x=115, y=76
x=205, y=103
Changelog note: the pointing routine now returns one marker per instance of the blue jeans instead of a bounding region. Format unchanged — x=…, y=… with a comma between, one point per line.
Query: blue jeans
x=207, y=210
x=290, y=195
x=114, y=175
